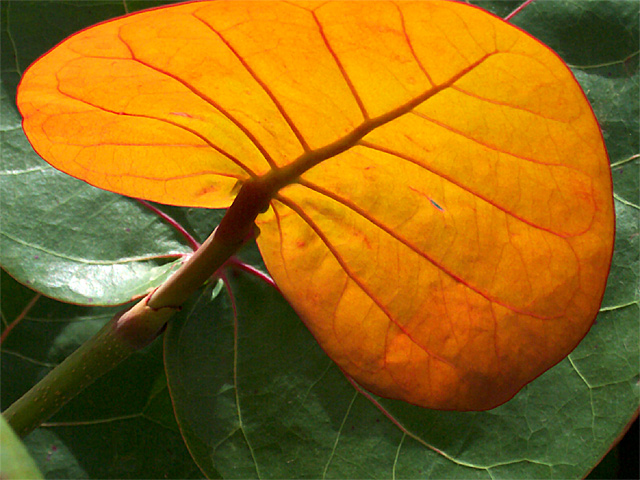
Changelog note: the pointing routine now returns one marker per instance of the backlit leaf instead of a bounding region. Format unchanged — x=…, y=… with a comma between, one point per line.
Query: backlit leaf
x=449, y=234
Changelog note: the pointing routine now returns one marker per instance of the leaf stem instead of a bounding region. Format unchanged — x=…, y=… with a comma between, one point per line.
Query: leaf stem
x=245, y=267
x=518, y=10
x=193, y=243
x=132, y=329
x=66, y=380
x=236, y=227
x=19, y=318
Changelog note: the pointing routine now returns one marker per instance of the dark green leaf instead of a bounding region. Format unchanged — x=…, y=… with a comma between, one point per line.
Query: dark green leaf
x=58, y=235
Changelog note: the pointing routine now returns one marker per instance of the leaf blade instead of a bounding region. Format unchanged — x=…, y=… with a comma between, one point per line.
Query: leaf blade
x=507, y=240
x=532, y=261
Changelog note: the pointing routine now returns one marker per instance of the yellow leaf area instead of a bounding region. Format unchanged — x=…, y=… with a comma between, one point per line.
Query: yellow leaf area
x=445, y=222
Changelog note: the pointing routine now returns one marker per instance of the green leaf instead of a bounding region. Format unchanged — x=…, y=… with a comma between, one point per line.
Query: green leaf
x=15, y=462
x=58, y=235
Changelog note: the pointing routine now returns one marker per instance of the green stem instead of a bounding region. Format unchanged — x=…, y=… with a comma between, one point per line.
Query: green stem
x=134, y=328
x=236, y=227
x=95, y=357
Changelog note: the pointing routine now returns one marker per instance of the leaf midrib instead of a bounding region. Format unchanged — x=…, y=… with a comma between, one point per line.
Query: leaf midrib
x=121, y=261
x=289, y=174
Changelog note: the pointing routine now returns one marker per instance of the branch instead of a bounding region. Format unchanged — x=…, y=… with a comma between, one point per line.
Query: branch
x=135, y=328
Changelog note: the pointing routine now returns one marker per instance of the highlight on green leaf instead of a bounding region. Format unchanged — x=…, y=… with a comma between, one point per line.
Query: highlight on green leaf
x=440, y=208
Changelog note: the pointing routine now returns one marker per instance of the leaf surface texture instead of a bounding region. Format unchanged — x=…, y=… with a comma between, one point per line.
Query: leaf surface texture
x=449, y=234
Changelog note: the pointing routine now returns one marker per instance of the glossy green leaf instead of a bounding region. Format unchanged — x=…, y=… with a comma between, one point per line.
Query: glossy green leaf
x=57, y=233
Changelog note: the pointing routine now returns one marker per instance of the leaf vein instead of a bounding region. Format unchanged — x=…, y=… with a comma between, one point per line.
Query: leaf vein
x=625, y=201
x=309, y=159
x=22, y=172
x=338, y=435
x=410, y=45
x=343, y=264
x=164, y=120
x=234, y=309
x=408, y=432
x=84, y=261
x=501, y=103
x=207, y=99
x=625, y=160
x=465, y=188
x=486, y=144
x=263, y=86
x=353, y=207
x=341, y=68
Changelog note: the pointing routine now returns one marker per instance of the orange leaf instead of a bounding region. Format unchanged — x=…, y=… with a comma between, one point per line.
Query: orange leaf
x=446, y=225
